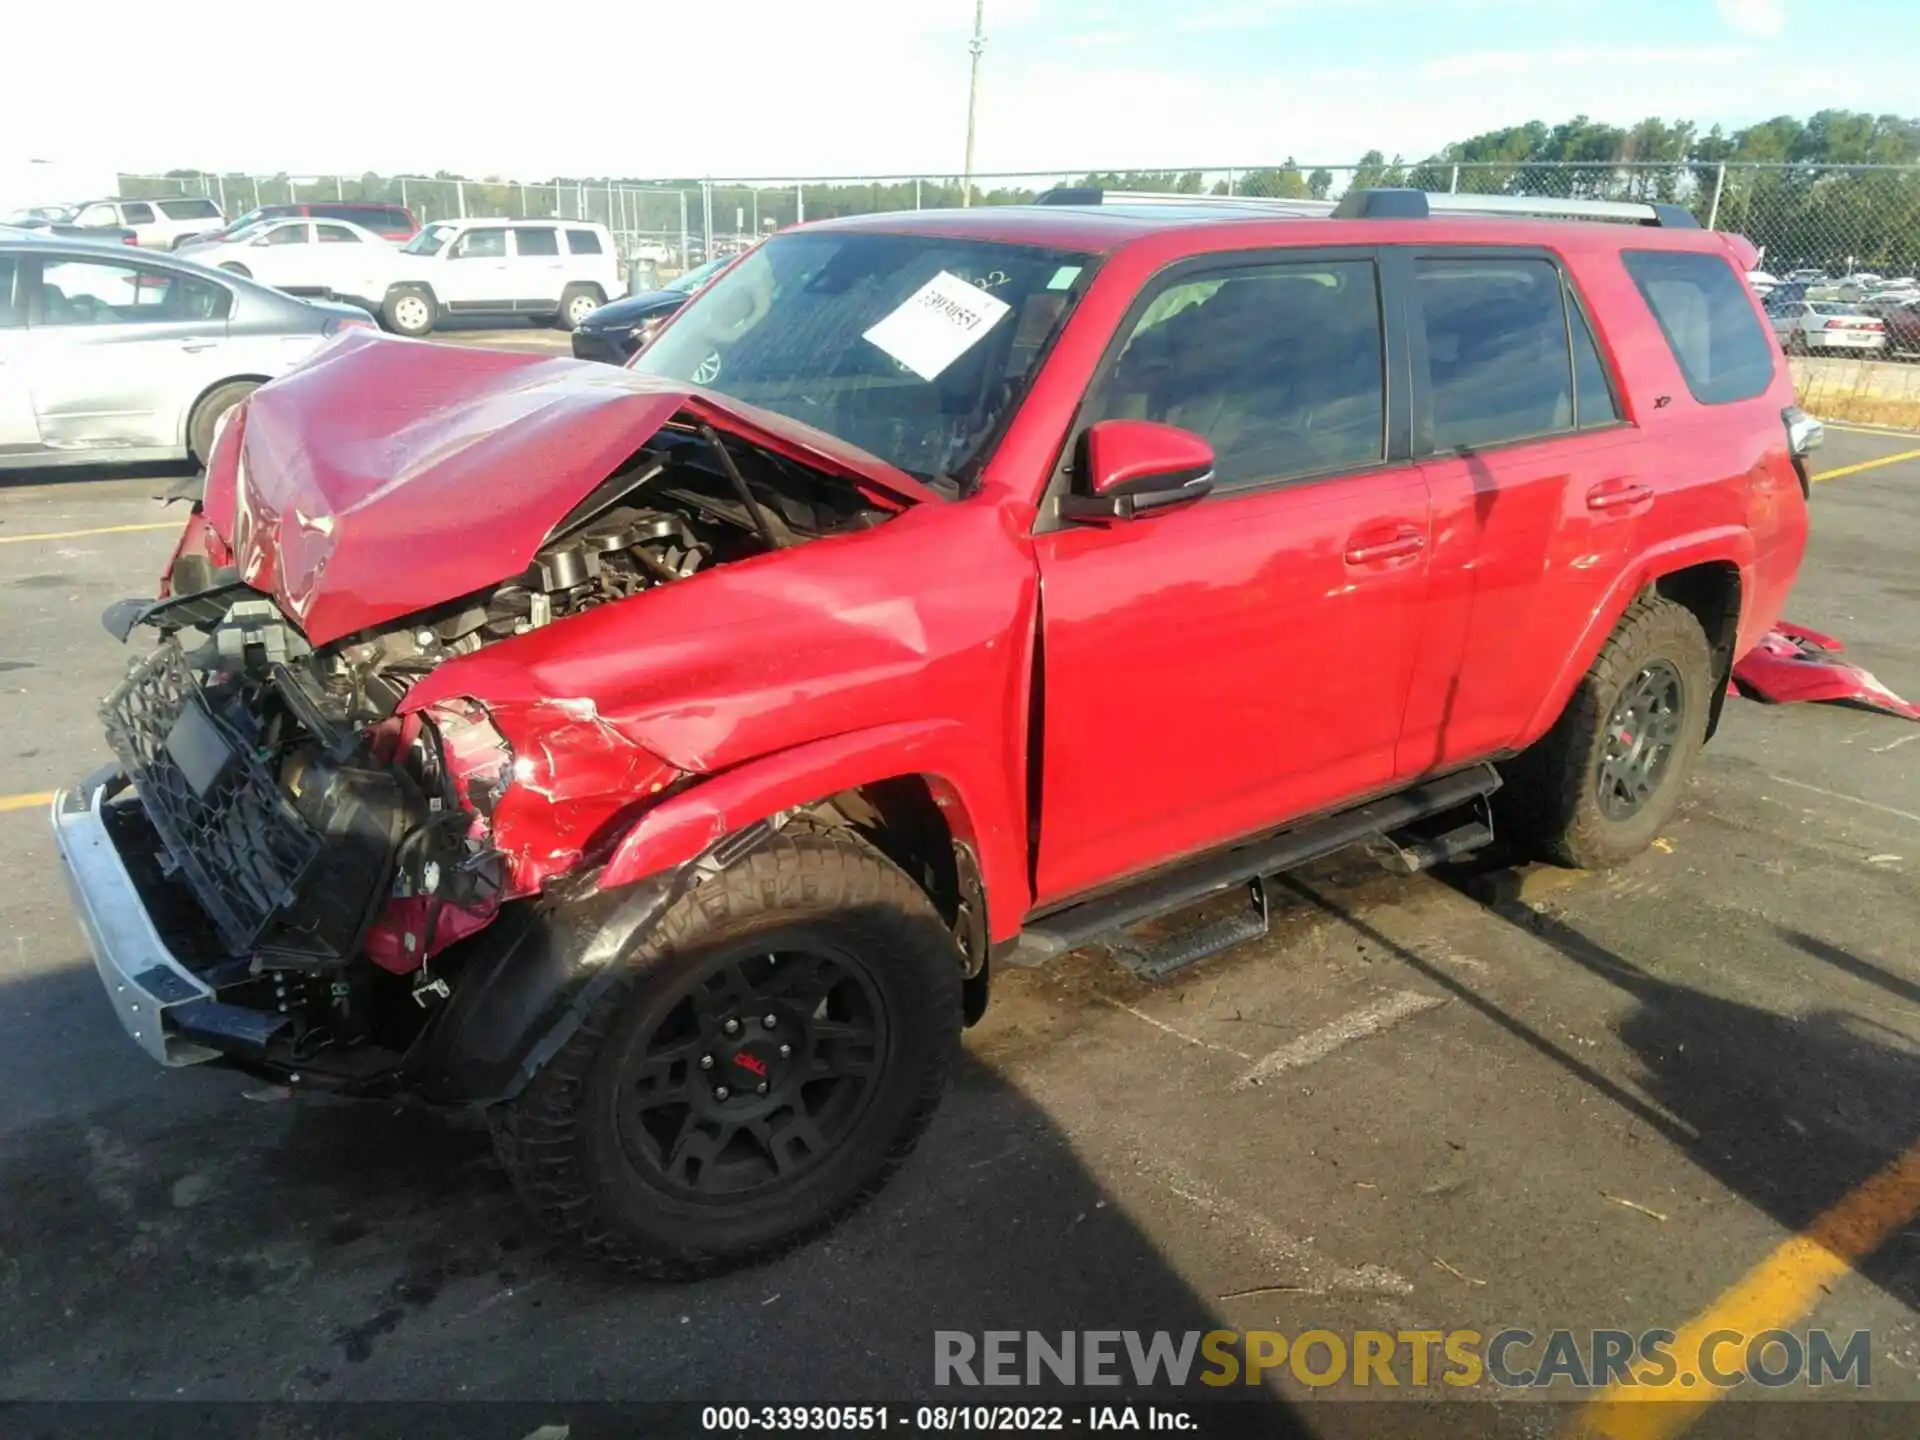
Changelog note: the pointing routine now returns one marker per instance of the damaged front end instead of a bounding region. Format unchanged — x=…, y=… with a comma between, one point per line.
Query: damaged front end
x=302, y=866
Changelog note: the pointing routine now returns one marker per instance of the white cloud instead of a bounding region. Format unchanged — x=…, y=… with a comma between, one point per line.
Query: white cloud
x=1760, y=18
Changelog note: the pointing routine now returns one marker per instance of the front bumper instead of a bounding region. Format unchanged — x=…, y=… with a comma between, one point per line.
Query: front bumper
x=143, y=978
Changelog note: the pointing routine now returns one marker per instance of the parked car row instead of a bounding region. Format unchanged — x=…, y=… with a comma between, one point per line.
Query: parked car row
x=112, y=355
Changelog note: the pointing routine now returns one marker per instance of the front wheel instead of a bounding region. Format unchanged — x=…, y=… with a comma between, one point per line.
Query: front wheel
x=1596, y=789
x=410, y=313
x=771, y=1053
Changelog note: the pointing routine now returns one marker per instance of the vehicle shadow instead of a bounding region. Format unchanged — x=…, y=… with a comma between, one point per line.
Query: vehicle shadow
x=1793, y=1112
x=164, y=475
x=164, y=1236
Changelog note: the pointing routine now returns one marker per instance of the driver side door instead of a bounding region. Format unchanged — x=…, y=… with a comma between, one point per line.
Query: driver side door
x=1213, y=671
x=476, y=274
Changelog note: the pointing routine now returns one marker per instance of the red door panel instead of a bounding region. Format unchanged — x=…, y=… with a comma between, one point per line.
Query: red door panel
x=1211, y=672
x=1527, y=539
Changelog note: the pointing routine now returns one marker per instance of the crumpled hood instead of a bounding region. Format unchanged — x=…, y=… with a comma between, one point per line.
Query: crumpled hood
x=386, y=476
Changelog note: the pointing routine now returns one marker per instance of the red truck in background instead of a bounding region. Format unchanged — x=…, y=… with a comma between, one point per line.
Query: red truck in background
x=664, y=759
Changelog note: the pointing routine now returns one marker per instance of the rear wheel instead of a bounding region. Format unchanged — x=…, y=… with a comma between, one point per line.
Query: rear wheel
x=410, y=312
x=576, y=303
x=207, y=415
x=1596, y=789
x=771, y=1053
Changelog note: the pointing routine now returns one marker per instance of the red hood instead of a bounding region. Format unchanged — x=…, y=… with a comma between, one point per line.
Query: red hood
x=386, y=476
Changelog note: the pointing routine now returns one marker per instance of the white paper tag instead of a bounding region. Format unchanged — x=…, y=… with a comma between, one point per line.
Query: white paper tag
x=937, y=324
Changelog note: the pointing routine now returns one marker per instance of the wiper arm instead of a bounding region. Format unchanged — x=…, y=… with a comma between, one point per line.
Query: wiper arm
x=754, y=507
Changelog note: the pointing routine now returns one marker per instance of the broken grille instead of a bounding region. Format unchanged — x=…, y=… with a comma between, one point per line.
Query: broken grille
x=236, y=839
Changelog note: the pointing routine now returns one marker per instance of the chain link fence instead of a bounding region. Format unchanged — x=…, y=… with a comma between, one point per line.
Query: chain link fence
x=1847, y=234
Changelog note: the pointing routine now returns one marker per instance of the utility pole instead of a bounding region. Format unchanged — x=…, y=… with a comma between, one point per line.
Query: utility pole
x=975, y=46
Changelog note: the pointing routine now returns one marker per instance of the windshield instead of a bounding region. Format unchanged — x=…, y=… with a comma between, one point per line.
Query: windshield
x=429, y=241
x=912, y=347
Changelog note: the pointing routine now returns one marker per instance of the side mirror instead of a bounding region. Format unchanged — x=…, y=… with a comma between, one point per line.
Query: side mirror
x=1137, y=467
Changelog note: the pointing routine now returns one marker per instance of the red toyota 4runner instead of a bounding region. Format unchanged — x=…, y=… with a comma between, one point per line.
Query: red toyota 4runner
x=663, y=759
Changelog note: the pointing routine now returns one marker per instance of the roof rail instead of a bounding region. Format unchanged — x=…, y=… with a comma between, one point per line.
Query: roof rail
x=1391, y=204
x=1096, y=195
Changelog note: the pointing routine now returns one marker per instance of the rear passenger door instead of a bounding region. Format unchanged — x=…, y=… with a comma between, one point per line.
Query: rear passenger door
x=539, y=271
x=1537, y=488
x=1247, y=655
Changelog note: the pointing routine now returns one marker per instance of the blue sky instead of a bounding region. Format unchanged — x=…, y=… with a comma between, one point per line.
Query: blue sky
x=780, y=87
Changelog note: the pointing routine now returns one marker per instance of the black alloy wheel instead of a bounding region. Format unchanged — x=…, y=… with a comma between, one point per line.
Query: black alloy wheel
x=754, y=1073
x=1641, y=735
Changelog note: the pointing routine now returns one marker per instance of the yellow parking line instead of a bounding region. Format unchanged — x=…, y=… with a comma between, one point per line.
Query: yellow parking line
x=82, y=534
x=26, y=802
x=1774, y=1294
x=1867, y=465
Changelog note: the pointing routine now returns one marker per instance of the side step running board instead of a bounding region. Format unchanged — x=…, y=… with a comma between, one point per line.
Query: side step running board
x=1169, y=890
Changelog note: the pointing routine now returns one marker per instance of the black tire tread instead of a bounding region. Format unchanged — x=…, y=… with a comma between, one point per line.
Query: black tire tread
x=214, y=403
x=1544, y=804
x=805, y=868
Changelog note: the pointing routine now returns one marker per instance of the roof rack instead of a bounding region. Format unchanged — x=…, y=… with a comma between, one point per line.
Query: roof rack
x=1095, y=195
x=1386, y=204
x=1396, y=204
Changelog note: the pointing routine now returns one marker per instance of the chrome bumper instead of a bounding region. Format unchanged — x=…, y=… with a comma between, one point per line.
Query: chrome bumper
x=143, y=979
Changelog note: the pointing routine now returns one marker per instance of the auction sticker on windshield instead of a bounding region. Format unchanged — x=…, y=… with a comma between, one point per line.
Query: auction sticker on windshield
x=937, y=324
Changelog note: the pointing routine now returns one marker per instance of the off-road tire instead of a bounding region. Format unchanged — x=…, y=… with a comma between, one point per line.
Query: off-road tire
x=206, y=416
x=402, y=317
x=1550, y=803
x=563, y=318
x=559, y=1139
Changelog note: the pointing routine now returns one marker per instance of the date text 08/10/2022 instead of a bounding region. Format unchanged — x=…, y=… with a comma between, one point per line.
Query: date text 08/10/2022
x=991, y=1419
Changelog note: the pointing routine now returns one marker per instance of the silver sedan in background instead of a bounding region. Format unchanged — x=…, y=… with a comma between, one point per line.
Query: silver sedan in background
x=107, y=356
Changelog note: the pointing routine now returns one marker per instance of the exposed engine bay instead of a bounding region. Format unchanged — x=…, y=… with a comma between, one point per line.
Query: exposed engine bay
x=337, y=842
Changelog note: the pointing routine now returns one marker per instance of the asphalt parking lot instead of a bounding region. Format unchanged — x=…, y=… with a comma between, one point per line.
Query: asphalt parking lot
x=1612, y=1104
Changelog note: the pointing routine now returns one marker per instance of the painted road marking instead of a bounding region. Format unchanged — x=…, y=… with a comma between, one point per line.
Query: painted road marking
x=1866, y=465
x=1773, y=1295
x=26, y=802
x=1167, y=1029
x=1842, y=795
x=1356, y=1025
x=83, y=534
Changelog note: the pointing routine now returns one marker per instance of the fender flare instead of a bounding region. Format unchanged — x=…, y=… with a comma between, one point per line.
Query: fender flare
x=983, y=808
x=1726, y=545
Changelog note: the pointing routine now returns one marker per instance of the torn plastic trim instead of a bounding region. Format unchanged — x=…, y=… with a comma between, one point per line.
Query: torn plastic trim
x=517, y=1003
x=1794, y=664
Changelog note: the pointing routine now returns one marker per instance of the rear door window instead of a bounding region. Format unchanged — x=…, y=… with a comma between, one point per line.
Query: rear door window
x=1279, y=366
x=1703, y=311
x=189, y=209
x=583, y=242
x=137, y=212
x=536, y=242
x=1499, y=365
x=1593, y=399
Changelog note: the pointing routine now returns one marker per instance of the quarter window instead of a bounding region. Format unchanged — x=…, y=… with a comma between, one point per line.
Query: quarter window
x=1708, y=321
x=1278, y=366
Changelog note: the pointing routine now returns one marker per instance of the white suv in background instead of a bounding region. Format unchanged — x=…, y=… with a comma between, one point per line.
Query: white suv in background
x=556, y=270
x=156, y=224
